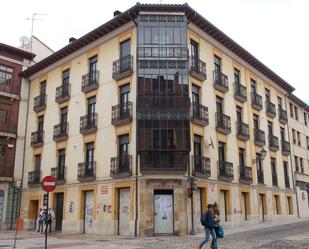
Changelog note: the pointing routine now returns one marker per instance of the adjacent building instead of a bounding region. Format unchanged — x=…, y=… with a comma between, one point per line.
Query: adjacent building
x=299, y=134
x=123, y=115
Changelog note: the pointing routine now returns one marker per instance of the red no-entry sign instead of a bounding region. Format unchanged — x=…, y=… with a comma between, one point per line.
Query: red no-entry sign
x=48, y=183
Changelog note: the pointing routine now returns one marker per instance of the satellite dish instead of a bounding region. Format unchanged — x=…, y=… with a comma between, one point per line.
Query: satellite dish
x=24, y=42
x=211, y=144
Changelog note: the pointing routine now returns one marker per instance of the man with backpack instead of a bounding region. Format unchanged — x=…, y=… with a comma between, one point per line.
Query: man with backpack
x=207, y=221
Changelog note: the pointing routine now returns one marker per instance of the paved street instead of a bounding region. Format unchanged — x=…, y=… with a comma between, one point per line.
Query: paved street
x=288, y=236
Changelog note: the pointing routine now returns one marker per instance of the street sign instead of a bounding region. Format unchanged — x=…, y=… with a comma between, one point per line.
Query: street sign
x=48, y=183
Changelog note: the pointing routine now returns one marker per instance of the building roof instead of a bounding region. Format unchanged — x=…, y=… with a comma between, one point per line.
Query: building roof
x=131, y=14
x=15, y=52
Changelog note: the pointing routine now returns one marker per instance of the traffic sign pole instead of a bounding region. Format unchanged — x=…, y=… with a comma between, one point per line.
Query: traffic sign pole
x=46, y=224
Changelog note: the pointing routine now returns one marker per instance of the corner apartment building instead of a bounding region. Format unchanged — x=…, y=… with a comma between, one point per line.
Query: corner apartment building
x=299, y=134
x=13, y=108
x=123, y=115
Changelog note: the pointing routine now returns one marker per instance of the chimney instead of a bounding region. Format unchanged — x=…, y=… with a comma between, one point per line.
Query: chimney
x=72, y=39
x=116, y=13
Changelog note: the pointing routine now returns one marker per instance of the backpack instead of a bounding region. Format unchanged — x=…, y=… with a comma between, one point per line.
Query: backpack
x=204, y=219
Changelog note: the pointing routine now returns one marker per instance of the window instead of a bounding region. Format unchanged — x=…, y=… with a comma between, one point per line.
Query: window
x=307, y=140
x=267, y=94
x=236, y=76
x=305, y=119
x=294, y=136
x=217, y=64
x=285, y=170
x=2, y=154
x=40, y=125
x=296, y=112
x=239, y=113
x=299, y=138
x=5, y=74
x=197, y=145
x=66, y=77
x=124, y=94
x=296, y=163
x=253, y=85
x=273, y=166
x=93, y=67
x=195, y=94
x=37, y=166
x=219, y=104
x=221, y=151
x=123, y=152
x=241, y=155
x=4, y=117
x=90, y=152
x=256, y=121
x=43, y=87
x=91, y=105
x=282, y=134
x=301, y=163
x=61, y=163
x=194, y=53
x=270, y=128
x=280, y=102
x=125, y=47
x=291, y=110
x=163, y=139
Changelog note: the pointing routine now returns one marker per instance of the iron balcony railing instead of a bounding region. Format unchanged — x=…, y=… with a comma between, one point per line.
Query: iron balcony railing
x=245, y=174
x=90, y=81
x=201, y=166
x=59, y=173
x=273, y=142
x=283, y=116
x=275, y=179
x=285, y=147
x=61, y=131
x=270, y=108
x=122, y=113
x=225, y=170
x=259, y=137
x=220, y=81
x=287, y=182
x=34, y=177
x=223, y=123
x=242, y=131
x=86, y=170
x=39, y=103
x=37, y=138
x=198, y=68
x=200, y=114
x=88, y=123
x=260, y=176
x=240, y=92
x=121, y=166
x=123, y=67
x=63, y=93
x=256, y=101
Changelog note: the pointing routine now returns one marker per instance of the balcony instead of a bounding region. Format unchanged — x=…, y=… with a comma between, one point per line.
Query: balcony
x=39, y=103
x=275, y=180
x=225, y=171
x=201, y=166
x=242, y=131
x=121, y=166
x=9, y=129
x=122, y=113
x=283, y=115
x=88, y=123
x=199, y=114
x=163, y=161
x=245, y=175
x=197, y=68
x=86, y=171
x=270, y=109
x=160, y=103
x=123, y=67
x=240, y=92
x=273, y=143
x=259, y=137
x=285, y=148
x=59, y=173
x=260, y=176
x=287, y=182
x=34, y=178
x=256, y=101
x=63, y=93
x=90, y=81
x=223, y=123
x=37, y=138
x=220, y=81
x=61, y=131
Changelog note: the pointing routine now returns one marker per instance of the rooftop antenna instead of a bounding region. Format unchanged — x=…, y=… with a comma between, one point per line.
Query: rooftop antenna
x=35, y=17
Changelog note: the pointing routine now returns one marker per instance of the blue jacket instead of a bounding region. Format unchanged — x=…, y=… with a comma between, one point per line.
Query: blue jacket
x=209, y=220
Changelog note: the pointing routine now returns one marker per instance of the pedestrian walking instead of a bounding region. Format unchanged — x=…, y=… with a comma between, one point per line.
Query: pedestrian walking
x=48, y=220
x=216, y=217
x=207, y=221
x=41, y=219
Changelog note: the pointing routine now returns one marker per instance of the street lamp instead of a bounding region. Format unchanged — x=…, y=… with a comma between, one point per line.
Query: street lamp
x=261, y=158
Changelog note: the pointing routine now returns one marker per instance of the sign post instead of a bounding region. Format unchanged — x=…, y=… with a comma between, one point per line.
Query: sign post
x=48, y=184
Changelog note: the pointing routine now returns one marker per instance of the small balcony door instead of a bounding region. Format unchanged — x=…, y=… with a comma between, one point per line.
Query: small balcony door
x=282, y=132
x=93, y=67
x=256, y=124
x=239, y=114
x=236, y=76
x=37, y=169
x=40, y=125
x=61, y=164
x=66, y=77
x=253, y=86
x=270, y=128
x=91, y=110
x=124, y=100
x=197, y=152
x=43, y=88
x=195, y=100
x=123, y=152
x=217, y=65
x=194, y=54
x=219, y=104
x=63, y=119
x=89, y=159
x=221, y=151
x=267, y=95
x=125, y=50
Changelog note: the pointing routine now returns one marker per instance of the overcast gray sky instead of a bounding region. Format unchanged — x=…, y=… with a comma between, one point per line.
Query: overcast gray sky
x=274, y=31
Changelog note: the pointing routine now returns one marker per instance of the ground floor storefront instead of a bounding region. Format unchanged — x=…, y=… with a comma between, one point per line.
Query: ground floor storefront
x=162, y=206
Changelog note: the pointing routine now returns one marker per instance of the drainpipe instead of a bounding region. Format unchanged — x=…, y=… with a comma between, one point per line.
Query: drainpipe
x=291, y=161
